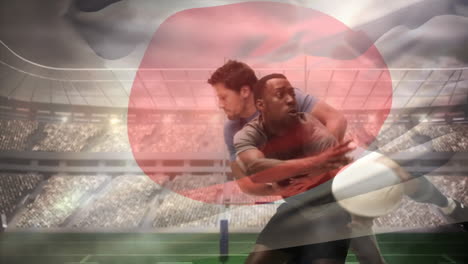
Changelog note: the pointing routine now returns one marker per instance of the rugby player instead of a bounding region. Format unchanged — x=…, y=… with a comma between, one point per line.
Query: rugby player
x=285, y=143
x=281, y=141
x=233, y=83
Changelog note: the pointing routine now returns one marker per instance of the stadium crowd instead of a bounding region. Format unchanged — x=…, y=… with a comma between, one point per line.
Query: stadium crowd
x=167, y=137
x=126, y=199
x=13, y=187
x=58, y=199
x=15, y=133
x=66, y=137
x=23, y=135
x=424, y=137
x=201, y=208
x=122, y=204
x=413, y=215
x=179, y=211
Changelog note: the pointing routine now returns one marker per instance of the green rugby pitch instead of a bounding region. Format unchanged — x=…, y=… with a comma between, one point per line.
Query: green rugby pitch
x=153, y=248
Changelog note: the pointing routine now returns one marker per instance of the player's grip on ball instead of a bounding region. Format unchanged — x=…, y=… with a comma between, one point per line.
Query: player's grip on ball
x=334, y=157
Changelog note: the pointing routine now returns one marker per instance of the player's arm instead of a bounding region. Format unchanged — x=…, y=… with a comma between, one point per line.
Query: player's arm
x=265, y=170
x=248, y=186
x=333, y=119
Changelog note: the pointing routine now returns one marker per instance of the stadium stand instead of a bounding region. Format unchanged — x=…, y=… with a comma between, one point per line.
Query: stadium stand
x=399, y=137
x=59, y=124
x=59, y=197
x=79, y=137
x=179, y=211
x=67, y=137
x=444, y=138
x=14, y=134
x=416, y=215
x=14, y=187
x=253, y=216
x=166, y=137
x=123, y=203
x=17, y=135
x=113, y=139
x=191, y=183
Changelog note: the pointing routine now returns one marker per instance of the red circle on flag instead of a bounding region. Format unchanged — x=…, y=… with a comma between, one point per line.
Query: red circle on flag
x=317, y=53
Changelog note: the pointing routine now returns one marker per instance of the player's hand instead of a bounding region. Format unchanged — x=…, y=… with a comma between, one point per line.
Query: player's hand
x=303, y=184
x=341, y=149
x=335, y=163
x=334, y=158
x=288, y=190
x=296, y=186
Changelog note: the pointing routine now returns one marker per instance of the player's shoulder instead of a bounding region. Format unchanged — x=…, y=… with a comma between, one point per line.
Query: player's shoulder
x=231, y=126
x=254, y=125
x=307, y=118
x=297, y=90
x=309, y=121
x=305, y=102
x=252, y=131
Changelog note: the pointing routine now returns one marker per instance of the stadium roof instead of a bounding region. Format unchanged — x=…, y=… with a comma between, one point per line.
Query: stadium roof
x=170, y=88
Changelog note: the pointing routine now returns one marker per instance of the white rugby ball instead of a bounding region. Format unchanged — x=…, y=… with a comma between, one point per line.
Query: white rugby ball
x=371, y=186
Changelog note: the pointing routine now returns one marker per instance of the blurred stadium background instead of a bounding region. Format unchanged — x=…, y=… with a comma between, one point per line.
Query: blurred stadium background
x=71, y=191
x=67, y=165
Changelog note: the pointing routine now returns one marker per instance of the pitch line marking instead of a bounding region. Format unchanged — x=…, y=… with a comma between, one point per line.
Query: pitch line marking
x=85, y=259
x=236, y=255
x=81, y=263
x=449, y=259
x=207, y=255
x=131, y=242
x=178, y=262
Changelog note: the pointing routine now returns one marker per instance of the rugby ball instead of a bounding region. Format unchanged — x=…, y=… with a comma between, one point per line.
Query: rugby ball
x=371, y=186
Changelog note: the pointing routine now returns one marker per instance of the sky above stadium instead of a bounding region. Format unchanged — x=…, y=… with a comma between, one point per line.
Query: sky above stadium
x=55, y=33
x=415, y=34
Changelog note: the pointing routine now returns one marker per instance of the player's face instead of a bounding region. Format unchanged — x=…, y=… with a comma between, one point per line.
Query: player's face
x=231, y=102
x=279, y=101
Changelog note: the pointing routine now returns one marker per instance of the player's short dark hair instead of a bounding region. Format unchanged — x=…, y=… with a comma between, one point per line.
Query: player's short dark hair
x=259, y=87
x=234, y=74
